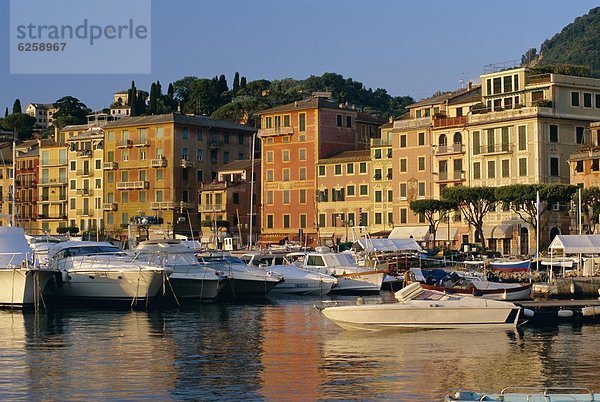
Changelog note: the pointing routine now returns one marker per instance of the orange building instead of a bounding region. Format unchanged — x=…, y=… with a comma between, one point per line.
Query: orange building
x=294, y=138
x=26, y=190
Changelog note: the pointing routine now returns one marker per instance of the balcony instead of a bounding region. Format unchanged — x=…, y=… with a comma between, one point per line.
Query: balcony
x=84, y=153
x=211, y=207
x=111, y=165
x=52, y=217
x=381, y=142
x=445, y=177
x=535, y=79
x=85, y=191
x=158, y=163
x=421, y=122
x=109, y=206
x=85, y=212
x=125, y=144
x=132, y=185
x=439, y=122
x=185, y=163
x=85, y=172
x=53, y=183
x=215, y=145
x=141, y=143
x=449, y=149
x=217, y=185
x=493, y=149
x=162, y=205
x=275, y=131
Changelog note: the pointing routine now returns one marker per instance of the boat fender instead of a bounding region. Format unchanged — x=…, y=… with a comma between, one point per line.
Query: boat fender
x=477, y=292
x=505, y=295
x=590, y=311
x=360, y=301
x=572, y=287
x=529, y=313
x=565, y=313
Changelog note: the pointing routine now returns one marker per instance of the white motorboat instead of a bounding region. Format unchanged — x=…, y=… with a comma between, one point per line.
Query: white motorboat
x=351, y=277
x=22, y=283
x=190, y=279
x=527, y=394
x=99, y=271
x=296, y=280
x=417, y=308
x=243, y=281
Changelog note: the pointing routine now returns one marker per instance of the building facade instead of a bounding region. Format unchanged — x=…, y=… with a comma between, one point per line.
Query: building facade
x=26, y=188
x=52, y=186
x=43, y=113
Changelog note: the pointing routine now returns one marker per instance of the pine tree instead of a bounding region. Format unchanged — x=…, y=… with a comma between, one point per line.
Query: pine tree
x=158, y=90
x=236, y=83
x=152, y=101
x=222, y=85
x=6, y=112
x=132, y=99
x=17, y=106
x=243, y=82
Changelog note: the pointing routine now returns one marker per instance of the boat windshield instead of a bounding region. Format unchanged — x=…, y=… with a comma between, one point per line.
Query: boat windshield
x=87, y=250
x=182, y=259
x=336, y=260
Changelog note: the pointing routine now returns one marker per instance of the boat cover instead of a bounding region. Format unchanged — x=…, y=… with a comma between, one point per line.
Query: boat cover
x=576, y=244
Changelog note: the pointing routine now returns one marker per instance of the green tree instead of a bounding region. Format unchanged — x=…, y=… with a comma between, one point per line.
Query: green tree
x=17, y=107
x=70, y=111
x=20, y=124
x=152, y=103
x=434, y=211
x=243, y=82
x=474, y=203
x=236, y=83
x=590, y=203
x=6, y=112
x=132, y=99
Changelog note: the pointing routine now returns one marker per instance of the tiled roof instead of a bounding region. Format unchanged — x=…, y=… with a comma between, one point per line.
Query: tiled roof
x=202, y=121
x=311, y=103
x=361, y=154
x=444, y=97
x=238, y=165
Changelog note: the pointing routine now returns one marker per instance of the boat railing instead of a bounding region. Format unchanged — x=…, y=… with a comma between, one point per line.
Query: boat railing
x=17, y=260
x=131, y=261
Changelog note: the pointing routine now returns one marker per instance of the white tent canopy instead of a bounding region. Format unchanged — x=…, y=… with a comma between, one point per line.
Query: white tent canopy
x=575, y=244
x=419, y=233
x=388, y=245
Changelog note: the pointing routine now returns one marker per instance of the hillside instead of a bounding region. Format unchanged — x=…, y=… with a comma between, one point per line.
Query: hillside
x=577, y=44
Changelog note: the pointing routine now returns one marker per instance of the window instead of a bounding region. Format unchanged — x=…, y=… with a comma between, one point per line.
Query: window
x=270, y=175
x=339, y=120
x=377, y=153
x=348, y=121
x=285, y=155
x=443, y=170
x=505, y=138
x=403, y=215
x=505, y=168
x=269, y=156
x=286, y=196
x=421, y=139
x=302, y=173
x=508, y=83
x=185, y=133
x=553, y=133
x=363, y=189
x=522, y=132
x=476, y=143
x=73, y=165
x=377, y=174
x=125, y=156
x=62, y=156
x=323, y=195
x=579, y=166
x=421, y=163
x=321, y=170
x=597, y=101
x=458, y=169
x=476, y=170
x=200, y=176
x=403, y=141
x=350, y=168
x=378, y=196
x=402, y=190
x=350, y=190
x=72, y=185
x=286, y=174
x=72, y=203
x=364, y=219
x=303, y=221
x=302, y=154
x=421, y=189
x=302, y=196
x=579, y=135
x=497, y=85
x=160, y=175
x=338, y=170
x=286, y=120
x=554, y=171
x=403, y=165
x=587, y=99
x=390, y=195
x=491, y=140
x=378, y=218
x=302, y=122
x=575, y=98
x=389, y=175
x=199, y=155
x=491, y=169
x=269, y=221
x=362, y=167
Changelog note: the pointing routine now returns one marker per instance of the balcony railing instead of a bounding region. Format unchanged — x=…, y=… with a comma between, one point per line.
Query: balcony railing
x=449, y=121
x=211, y=207
x=274, y=131
x=53, y=183
x=85, y=172
x=109, y=206
x=449, y=149
x=85, y=212
x=84, y=153
x=185, y=163
x=132, y=185
x=158, y=163
x=85, y=191
x=162, y=205
x=420, y=122
x=381, y=142
x=52, y=216
x=111, y=165
x=125, y=144
x=141, y=143
x=221, y=185
x=495, y=149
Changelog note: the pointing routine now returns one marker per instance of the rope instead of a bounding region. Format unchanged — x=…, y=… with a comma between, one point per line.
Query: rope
x=172, y=291
x=137, y=288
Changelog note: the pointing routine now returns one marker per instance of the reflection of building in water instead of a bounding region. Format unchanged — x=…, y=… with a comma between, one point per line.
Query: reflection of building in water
x=291, y=357
x=16, y=376
x=99, y=354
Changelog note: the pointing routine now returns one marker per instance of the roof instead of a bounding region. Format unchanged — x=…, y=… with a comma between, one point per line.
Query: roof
x=444, y=97
x=43, y=105
x=576, y=244
x=239, y=165
x=389, y=124
x=361, y=154
x=75, y=127
x=203, y=121
x=311, y=103
x=365, y=117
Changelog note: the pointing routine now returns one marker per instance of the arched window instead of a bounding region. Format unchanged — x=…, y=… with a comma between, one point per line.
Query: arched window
x=457, y=138
x=443, y=141
x=524, y=241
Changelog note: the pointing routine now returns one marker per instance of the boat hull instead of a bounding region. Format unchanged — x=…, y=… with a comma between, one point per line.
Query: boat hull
x=422, y=315
x=194, y=287
x=22, y=287
x=359, y=282
x=523, y=292
x=511, y=266
x=239, y=288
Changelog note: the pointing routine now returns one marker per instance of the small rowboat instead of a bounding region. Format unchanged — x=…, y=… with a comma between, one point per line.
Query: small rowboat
x=511, y=265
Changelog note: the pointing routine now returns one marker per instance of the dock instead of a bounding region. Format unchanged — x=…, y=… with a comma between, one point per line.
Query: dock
x=548, y=312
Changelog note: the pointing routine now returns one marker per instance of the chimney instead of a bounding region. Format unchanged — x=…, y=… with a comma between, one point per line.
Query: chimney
x=391, y=119
x=469, y=85
x=296, y=104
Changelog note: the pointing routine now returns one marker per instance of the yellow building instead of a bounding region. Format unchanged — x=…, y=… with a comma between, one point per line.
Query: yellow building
x=52, y=186
x=154, y=166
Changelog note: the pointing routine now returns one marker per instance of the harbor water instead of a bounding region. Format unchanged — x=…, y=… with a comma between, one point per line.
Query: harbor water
x=278, y=349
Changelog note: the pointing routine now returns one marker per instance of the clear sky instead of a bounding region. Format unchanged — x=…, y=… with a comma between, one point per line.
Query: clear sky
x=409, y=47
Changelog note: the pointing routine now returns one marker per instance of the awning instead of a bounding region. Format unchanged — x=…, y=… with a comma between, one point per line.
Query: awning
x=386, y=245
x=498, y=231
x=419, y=233
x=442, y=234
